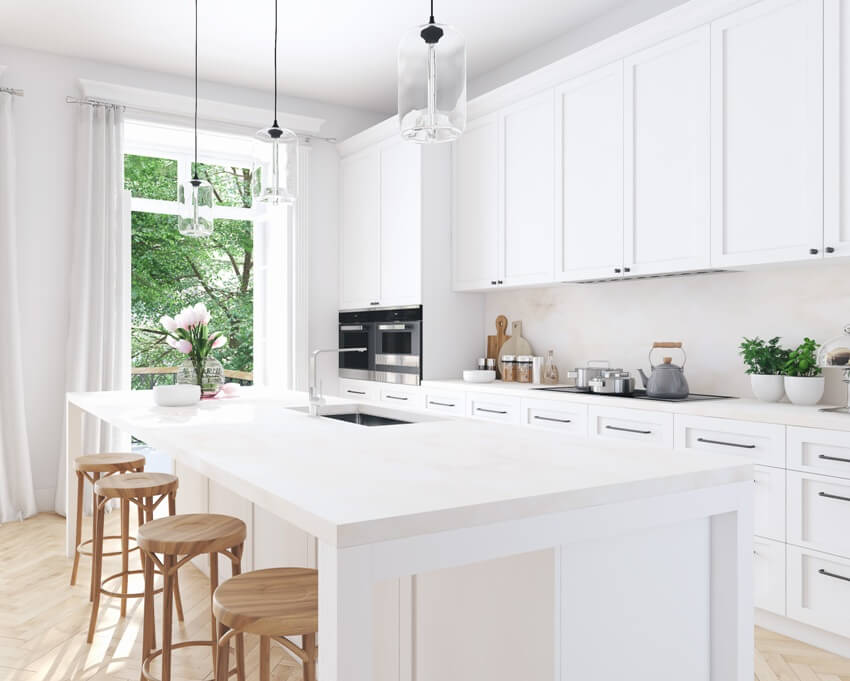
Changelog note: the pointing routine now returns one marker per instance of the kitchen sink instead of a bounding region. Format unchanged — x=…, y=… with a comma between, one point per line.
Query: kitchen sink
x=368, y=416
x=364, y=419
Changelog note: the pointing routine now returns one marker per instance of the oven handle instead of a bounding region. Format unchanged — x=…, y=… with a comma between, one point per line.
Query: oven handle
x=351, y=327
x=392, y=327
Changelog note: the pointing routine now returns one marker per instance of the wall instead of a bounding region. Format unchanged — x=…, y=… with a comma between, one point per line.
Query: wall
x=45, y=153
x=618, y=321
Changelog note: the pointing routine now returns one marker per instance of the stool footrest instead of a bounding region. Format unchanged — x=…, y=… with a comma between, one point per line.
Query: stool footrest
x=117, y=594
x=87, y=552
x=146, y=663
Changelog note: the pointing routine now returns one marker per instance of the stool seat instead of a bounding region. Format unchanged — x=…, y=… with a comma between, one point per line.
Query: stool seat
x=274, y=602
x=193, y=533
x=108, y=463
x=135, y=485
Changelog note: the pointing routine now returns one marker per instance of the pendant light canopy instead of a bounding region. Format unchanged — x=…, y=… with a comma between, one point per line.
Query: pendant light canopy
x=195, y=197
x=432, y=83
x=275, y=176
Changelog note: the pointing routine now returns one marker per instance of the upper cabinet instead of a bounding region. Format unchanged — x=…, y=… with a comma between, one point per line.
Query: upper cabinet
x=589, y=234
x=767, y=133
x=667, y=140
x=360, y=230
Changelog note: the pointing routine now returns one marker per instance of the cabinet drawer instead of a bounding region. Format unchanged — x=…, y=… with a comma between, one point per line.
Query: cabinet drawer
x=363, y=391
x=812, y=450
x=405, y=398
x=761, y=443
x=551, y=415
x=446, y=402
x=769, y=575
x=819, y=512
x=632, y=425
x=819, y=590
x=493, y=407
x=769, y=504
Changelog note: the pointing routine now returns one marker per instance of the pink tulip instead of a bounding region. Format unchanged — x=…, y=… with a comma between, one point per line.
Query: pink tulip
x=220, y=342
x=170, y=342
x=168, y=323
x=202, y=315
x=184, y=346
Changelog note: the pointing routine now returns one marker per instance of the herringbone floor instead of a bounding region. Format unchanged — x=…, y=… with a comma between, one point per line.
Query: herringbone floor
x=43, y=623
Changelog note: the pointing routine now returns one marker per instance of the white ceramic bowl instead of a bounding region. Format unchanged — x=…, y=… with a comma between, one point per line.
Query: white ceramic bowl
x=804, y=390
x=176, y=395
x=479, y=375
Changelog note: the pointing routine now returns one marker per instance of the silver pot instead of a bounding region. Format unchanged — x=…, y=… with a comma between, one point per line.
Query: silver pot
x=583, y=375
x=613, y=382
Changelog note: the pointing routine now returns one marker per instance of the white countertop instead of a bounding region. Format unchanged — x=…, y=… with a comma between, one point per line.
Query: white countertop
x=350, y=484
x=782, y=413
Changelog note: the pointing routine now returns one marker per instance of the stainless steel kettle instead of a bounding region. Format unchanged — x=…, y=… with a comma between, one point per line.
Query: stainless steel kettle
x=667, y=379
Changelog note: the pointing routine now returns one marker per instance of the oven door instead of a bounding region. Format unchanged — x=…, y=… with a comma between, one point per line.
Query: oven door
x=398, y=352
x=356, y=364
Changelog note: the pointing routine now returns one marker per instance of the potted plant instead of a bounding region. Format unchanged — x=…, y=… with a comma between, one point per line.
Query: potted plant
x=765, y=361
x=803, y=381
x=188, y=333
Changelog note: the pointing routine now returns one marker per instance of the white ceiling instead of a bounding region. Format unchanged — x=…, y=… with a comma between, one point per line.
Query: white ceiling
x=331, y=50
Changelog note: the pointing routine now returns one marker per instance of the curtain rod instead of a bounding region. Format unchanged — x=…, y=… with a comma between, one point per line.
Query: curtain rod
x=12, y=91
x=99, y=102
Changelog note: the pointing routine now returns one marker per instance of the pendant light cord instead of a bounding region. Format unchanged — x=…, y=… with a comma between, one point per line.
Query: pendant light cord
x=275, y=65
x=195, y=174
x=431, y=19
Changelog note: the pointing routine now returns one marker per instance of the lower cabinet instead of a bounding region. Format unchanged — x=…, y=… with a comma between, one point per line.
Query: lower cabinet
x=493, y=407
x=769, y=504
x=364, y=391
x=819, y=512
x=769, y=575
x=819, y=589
x=403, y=397
x=226, y=502
x=640, y=427
x=563, y=417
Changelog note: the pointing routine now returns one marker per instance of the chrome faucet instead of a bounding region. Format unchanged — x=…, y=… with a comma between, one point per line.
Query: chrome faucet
x=315, y=396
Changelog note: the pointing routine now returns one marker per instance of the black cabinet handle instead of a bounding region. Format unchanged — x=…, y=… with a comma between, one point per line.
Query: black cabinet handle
x=833, y=496
x=833, y=458
x=490, y=411
x=813, y=251
x=492, y=282
x=549, y=418
x=627, y=269
x=500, y=282
x=630, y=430
x=356, y=392
x=617, y=270
x=830, y=249
x=393, y=397
x=376, y=302
x=725, y=444
x=833, y=575
x=440, y=404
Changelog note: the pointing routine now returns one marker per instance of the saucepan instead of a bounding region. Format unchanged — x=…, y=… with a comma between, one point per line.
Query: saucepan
x=583, y=375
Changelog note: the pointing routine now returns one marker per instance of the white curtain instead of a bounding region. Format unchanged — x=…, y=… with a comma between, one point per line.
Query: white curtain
x=17, y=495
x=98, y=342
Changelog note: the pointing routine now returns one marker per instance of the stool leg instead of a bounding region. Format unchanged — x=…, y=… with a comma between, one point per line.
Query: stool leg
x=97, y=565
x=148, y=504
x=213, y=587
x=240, y=637
x=167, y=606
x=94, y=478
x=265, y=658
x=222, y=671
x=178, y=601
x=148, y=642
x=309, y=643
x=81, y=482
x=125, y=552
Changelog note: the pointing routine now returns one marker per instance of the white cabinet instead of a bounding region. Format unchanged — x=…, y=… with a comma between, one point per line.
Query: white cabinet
x=767, y=133
x=227, y=502
x=819, y=512
x=361, y=391
x=769, y=575
x=570, y=419
x=812, y=450
x=445, y=402
x=589, y=175
x=819, y=590
x=360, y=230
x=761, y=443
x=666, y=166
x=769, y=502
x=647, y=428
x=401, y=396
x=493, y=407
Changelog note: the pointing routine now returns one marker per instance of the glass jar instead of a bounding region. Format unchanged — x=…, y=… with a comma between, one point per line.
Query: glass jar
x=213, y=376
x=523, y=368
x=508, y=368
x=550, y=370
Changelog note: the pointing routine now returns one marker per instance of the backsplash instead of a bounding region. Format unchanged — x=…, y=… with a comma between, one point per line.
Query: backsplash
x=709, y=313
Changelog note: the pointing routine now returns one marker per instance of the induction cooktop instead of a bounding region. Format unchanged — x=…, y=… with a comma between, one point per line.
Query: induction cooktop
x=640, y=395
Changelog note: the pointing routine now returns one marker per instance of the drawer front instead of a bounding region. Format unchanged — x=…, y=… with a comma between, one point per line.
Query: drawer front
x=364, y=391
x=493, y=407
x=769, y=575
x=769, y=504
x=631, y=425
x=819, y=512
x=761, y=443
x=819, y=451
x=558, y=416
x=819, y=590
x=446, y=402
x=403, y=398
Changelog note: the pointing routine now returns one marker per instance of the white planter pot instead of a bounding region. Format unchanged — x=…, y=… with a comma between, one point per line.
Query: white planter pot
x=767, y=388
x=804, y=390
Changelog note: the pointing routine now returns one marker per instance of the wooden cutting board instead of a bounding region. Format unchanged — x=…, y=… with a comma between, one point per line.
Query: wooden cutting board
x=515, y=345
x=497, y=341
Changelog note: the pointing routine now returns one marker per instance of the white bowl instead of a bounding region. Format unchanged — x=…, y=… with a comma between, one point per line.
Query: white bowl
x=176, y=395
x=479, y=375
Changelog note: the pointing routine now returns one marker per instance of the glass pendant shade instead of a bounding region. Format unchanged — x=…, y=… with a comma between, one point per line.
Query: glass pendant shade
x=432, y=84
x=195, y=201
x=274, y=179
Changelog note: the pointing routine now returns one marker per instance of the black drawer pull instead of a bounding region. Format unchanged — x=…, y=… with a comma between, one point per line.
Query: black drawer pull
x=490, y=411
x=440, y=404
x=833, y=496
x=833, y=458
x=833, y=575
x=549, y=418
x=356, y=392
x=725, y=444
x=393, y=397
x=630, y=430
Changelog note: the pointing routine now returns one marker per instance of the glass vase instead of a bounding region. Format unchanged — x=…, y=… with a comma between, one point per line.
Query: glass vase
x=213, y=376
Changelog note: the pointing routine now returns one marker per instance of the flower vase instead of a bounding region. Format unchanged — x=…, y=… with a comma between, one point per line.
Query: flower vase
x=213, y=376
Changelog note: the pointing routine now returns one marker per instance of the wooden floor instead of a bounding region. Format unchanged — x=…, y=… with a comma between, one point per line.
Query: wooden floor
x=43, y=623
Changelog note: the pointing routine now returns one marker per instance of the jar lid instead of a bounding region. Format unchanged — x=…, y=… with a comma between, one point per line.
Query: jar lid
x=525, y=358
x=509, y=358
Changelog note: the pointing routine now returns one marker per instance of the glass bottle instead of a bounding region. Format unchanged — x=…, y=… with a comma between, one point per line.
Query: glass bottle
x=550, y=371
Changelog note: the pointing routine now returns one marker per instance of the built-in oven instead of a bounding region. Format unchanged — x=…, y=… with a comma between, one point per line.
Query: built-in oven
x=356, y=330
x=393, y=337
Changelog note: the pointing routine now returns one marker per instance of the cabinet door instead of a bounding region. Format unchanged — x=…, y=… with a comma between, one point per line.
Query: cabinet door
x=767, y=133
x=819, y=590
x=836, y=116
x=667, y=128
x=589, y=169
x=226, y=502
x=649, y=428
x=475, y=248
x=360, y=232
x=528, y=161
x=769, y=575
x=401, y=219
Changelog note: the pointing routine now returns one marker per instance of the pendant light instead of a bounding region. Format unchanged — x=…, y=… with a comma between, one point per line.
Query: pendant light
x=274, y=179
x=432, y=83
x=195, y=197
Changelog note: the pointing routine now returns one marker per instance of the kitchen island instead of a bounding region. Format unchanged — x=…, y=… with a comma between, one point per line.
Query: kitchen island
x=652, y=549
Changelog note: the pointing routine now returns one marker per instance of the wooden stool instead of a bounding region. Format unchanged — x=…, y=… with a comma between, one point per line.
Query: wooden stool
x=92, y=468
x=188, y=536
x=147, y=491
x=272, y=604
